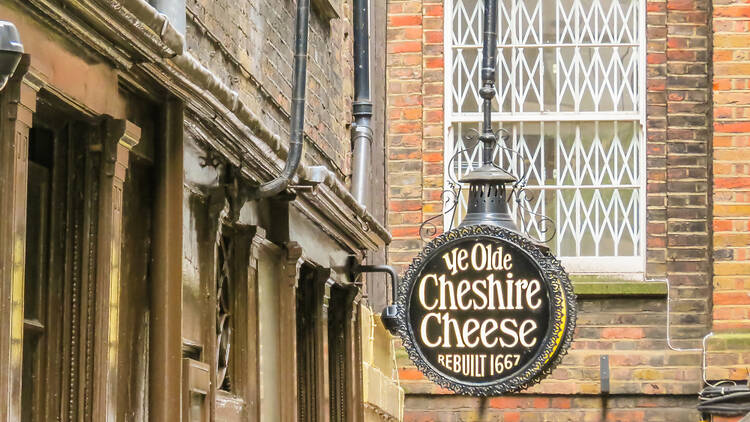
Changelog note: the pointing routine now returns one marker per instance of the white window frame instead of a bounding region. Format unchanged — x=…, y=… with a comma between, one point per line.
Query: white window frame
x=626, y=266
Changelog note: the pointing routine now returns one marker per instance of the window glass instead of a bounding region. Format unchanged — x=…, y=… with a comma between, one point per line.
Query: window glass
x=569, y=96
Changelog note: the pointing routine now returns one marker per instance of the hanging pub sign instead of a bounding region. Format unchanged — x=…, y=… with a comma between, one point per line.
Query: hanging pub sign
x=484, y=311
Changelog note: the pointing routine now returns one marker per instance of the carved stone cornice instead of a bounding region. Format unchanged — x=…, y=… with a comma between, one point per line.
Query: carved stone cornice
x=124, y=40
x=120, y=138
x=69, y=24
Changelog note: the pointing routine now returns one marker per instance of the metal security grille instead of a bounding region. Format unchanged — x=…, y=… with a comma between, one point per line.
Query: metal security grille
x=570, y=95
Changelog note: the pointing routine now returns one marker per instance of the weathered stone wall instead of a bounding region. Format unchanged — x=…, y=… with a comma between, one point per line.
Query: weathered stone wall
x=250, y=46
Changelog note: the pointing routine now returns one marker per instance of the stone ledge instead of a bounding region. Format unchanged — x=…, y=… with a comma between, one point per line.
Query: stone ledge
x=729, y=341
x=592, y=286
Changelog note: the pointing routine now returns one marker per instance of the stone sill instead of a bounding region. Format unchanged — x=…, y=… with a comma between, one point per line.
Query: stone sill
x=738, y=340
x=599, y=286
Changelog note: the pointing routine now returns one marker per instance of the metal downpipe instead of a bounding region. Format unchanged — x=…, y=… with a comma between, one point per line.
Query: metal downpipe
x=297, y=121
x=175, y=11
x=362, y=105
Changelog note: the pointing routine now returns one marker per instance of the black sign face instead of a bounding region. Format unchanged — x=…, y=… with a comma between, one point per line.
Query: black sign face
x=485, y=311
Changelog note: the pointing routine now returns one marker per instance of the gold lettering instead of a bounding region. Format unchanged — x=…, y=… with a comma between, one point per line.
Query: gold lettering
x=449, y=322
x=480, y=294
x=509, y=291
x=446, y=284
x=520, y=285
x=507, y=262
x=422, y=292
x=486, y=332
x=470, y=327
x=496, y=287
x=509, y=331
x=423, y=330
x=463, y=287
x=477, y=266
x=534, y=288
x=523, y=332
x=462, y=256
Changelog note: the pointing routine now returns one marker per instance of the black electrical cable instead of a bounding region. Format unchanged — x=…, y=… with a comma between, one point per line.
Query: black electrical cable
x=730, y=400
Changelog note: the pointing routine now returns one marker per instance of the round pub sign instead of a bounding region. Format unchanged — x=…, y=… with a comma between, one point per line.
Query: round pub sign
x=484, y=311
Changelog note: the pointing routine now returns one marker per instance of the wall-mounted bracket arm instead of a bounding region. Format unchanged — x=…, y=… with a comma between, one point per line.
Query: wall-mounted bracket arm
x=389, y=316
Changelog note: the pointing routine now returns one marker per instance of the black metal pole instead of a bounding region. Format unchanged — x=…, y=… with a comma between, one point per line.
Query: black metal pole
x=362, y=106
x=297, y=122
x=487, y=92
x=381, y=269
x=361, y=56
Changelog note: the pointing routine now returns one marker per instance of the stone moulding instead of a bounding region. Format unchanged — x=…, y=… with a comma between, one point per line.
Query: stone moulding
x=141, y=32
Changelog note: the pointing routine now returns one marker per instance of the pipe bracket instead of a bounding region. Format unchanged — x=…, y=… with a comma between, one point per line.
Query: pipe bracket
x=389, y=315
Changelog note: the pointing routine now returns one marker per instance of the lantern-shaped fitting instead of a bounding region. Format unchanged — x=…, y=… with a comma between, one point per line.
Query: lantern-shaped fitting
x=488, y=202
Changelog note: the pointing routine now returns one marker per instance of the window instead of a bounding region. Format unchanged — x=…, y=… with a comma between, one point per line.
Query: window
x=569, y=94
x=339, y=362
x=224, y=308
x=324, y=358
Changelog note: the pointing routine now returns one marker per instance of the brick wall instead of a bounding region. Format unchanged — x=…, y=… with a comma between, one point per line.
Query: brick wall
x=250, y=46
x=729, y=348
x=678, y=112
x=649, y=381
x=731, y=151
x=414, y=136
x=555, y=409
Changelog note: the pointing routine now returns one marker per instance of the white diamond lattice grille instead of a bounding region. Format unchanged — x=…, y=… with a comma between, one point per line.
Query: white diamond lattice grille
x=569, y=92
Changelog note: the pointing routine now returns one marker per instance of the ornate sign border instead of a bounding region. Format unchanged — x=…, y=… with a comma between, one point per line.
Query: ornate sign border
x=562, y=313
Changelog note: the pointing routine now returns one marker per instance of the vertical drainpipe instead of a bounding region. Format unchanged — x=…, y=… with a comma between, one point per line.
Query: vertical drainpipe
x=362, y=106
x=297, y=120
x=174, y=10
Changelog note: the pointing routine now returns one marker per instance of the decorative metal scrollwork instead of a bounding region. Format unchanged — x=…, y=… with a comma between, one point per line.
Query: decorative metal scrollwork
x=520, y=195
x=449, y=198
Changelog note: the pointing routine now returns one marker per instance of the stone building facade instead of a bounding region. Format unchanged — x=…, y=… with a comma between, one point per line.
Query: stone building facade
x=630, y=121
x=141, y=275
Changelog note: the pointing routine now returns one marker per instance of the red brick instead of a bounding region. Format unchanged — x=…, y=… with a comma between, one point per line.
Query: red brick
x=434, y=63
x=505, y=402
x=622, y=332
x=405, y=20
x=410, y=374
x=405, y=47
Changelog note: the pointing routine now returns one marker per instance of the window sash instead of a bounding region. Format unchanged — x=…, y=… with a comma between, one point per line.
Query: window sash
x=512, y=39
